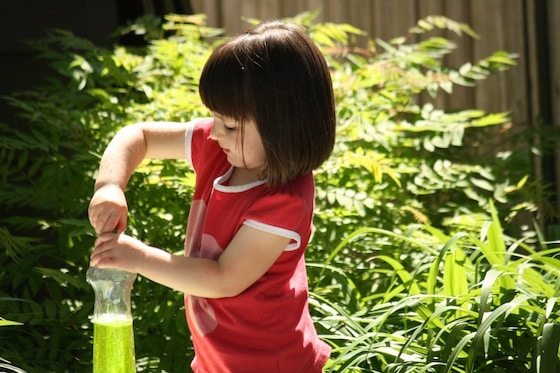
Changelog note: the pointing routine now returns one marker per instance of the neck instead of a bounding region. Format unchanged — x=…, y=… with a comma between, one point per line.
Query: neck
x=243, y=176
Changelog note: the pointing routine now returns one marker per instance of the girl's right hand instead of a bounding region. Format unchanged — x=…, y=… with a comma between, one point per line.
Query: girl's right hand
x=108, y=209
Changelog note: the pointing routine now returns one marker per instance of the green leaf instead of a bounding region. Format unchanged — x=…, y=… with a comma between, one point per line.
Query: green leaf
x=4, y=322
x=547, y=355
x=63, y=278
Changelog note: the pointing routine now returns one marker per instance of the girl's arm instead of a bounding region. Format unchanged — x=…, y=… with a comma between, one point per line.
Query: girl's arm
x=249, y=255
x=108, y=209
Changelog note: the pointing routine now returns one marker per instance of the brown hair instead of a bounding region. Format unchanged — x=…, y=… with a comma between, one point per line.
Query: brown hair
x=275, y=75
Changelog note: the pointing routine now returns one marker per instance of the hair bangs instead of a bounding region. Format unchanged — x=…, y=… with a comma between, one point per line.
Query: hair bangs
x=224, y=86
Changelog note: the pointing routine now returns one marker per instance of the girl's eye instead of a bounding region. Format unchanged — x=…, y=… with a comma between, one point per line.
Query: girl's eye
x=229, y=127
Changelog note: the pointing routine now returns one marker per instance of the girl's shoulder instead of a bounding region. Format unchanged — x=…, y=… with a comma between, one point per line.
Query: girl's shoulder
x=303, y=185
x=293, y=197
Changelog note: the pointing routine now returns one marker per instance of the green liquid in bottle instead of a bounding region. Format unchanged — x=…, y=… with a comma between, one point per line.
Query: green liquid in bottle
x=113, y=345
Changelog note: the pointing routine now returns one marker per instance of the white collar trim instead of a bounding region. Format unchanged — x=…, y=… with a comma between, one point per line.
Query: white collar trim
x=220, y=180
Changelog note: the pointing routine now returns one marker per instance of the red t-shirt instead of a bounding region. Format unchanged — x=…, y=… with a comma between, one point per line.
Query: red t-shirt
x=267, y=328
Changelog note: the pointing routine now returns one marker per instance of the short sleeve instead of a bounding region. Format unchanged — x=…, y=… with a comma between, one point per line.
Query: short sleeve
x=197, y=141
x=283, y=213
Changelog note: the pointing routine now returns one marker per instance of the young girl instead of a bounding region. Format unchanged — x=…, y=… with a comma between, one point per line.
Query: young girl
x=243, y=272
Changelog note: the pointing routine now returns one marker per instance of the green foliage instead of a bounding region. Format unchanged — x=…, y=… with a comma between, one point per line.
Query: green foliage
x=48, y=161
x=409, y=158
x=465, y=303
x=409, y=267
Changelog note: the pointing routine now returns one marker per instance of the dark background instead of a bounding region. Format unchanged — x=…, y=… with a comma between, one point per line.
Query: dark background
x=94, y=20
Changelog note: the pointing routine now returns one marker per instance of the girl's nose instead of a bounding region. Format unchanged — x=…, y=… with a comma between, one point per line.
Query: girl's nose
x=214, y=132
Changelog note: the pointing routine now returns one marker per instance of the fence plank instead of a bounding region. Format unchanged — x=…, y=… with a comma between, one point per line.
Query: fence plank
x=554, y=36
x=393, y=18
x=460, y=11
x=269, y=9
x=359, y=14
x=212, y=10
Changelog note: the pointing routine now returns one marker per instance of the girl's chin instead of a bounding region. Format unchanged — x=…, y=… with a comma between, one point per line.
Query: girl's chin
x=237, y=163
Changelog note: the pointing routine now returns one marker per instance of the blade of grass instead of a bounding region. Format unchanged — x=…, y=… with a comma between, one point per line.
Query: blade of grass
x=547, y=356
x=455, y=283
x=431, y=281
x=486, y=324
x=486, y=290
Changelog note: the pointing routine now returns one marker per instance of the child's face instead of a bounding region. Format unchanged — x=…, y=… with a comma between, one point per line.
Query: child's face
x=245, y=151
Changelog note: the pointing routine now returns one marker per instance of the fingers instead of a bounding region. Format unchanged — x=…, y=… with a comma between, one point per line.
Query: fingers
x=108, y=222
x=104, y=248
x=121, y=224
x=107, y=218
x=106, y=237
x=108, y=209
x=116, y=250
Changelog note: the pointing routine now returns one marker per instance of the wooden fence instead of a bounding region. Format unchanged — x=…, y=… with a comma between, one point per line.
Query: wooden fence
x=529, y=28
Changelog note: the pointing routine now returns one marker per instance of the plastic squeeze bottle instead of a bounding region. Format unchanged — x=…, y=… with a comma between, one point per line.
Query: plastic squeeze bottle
x=113, y=337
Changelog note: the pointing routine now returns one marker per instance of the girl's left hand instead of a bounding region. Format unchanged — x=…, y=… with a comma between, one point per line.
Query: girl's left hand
x=118, y=250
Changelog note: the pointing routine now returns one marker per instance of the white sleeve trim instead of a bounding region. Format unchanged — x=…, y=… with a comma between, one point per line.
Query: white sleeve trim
x=294, y=236
x=188, y=141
